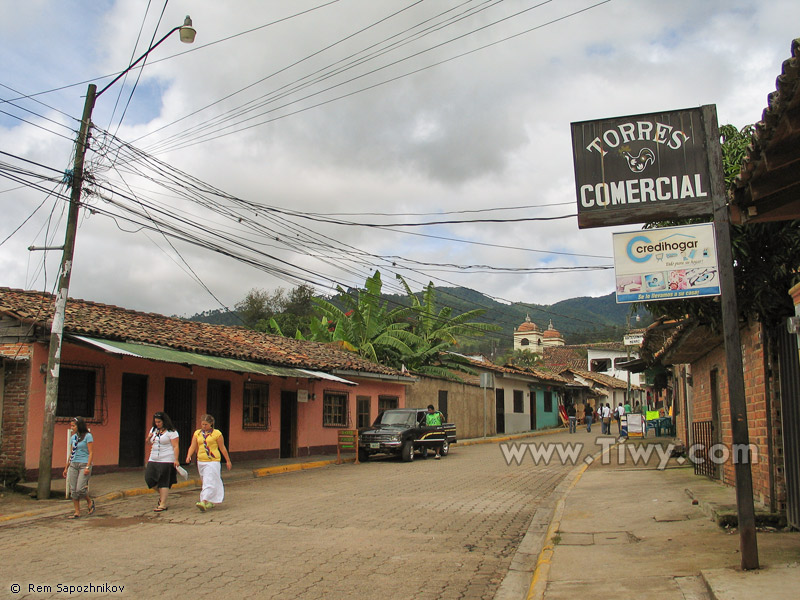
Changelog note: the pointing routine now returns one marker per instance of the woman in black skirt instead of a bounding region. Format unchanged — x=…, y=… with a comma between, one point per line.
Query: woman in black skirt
x=161, y=467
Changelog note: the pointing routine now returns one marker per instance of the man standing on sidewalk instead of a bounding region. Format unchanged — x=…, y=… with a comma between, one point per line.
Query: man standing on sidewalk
x=606, y=416
x=572, y=418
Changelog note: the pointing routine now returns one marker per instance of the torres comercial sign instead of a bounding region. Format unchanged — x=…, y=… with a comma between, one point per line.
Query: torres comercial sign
x=641, y=168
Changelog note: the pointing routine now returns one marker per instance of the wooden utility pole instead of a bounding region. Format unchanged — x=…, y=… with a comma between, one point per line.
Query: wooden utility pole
x=57, y=328
x=733, y=347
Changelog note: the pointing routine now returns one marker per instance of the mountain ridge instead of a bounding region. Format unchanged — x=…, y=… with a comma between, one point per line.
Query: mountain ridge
x=582, y=319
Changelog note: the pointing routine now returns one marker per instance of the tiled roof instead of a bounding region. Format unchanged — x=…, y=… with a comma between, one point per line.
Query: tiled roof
x=542, y=374
x=677, y=342
x=557, y=357
x=604, y=380
x=115, y=323
x=768, y=186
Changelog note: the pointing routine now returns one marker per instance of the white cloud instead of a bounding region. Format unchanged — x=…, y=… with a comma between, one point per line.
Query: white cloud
x=487, y=130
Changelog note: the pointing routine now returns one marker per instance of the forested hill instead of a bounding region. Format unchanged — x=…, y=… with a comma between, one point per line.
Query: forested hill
x=580, y=320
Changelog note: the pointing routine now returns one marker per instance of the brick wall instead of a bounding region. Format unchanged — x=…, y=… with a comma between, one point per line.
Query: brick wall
x=760, y=423
x=15, y=384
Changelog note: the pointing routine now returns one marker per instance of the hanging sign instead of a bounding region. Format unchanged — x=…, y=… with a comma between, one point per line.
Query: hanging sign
x=641, y=168
x=666, y=264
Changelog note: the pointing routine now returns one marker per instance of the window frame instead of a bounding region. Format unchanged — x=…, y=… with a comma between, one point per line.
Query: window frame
x=519, y=401
x=332, y=415
x=386, y=402
x=67, y=409
x=262, y=423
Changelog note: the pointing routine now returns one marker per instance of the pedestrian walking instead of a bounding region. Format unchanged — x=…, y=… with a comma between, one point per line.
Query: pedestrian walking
x=572, y=418
x=606, y=419
x=161, y=471
x=588, y=413
x=619, y=413
x=210, y=446
x=79, y=466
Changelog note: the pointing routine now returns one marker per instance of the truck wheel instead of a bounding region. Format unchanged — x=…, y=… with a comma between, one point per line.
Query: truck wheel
x=407, y=454
x=363, y=456
x=445, y=449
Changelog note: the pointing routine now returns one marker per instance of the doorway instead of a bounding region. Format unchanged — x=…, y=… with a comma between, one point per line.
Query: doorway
x=288, y=447
x=133, y=420
x=218, y=405
x=179, y=395
x=500, y=409
x=532, y=396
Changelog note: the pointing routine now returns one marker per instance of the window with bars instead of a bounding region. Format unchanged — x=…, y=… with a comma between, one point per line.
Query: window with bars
x=519, y=402
x=548, y=402
x=334, y=409
x=81, y=392
x=255, y=406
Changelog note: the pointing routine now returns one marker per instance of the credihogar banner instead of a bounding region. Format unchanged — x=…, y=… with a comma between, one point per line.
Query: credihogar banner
x=666, y=264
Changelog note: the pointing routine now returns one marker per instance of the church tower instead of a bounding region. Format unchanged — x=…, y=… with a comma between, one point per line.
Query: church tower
x=528, y=337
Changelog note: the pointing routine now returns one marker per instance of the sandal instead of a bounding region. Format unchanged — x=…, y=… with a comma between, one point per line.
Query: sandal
x=74, y=517
x=92, y=507
x=159, y=508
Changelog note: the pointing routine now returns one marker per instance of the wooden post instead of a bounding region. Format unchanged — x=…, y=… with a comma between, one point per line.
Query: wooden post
x=733, y=348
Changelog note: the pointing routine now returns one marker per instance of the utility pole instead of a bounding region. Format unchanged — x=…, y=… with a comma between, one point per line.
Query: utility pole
x=57, y=328
x=187, y=35
x=733, y=347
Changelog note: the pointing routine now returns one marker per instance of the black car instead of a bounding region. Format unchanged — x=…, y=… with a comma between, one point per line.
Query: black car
x=401, y=432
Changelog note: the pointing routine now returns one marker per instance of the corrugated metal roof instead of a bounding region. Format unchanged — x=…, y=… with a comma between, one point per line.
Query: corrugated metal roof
x=162, y=354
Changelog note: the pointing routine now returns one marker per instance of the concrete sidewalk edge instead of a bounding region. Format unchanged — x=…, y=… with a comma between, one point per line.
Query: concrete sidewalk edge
x=542, y=569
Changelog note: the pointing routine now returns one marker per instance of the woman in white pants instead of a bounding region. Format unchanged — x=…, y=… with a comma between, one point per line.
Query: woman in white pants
x=210, y=446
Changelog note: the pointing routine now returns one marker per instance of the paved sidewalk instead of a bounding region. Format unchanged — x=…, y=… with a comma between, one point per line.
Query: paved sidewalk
x=626, y=530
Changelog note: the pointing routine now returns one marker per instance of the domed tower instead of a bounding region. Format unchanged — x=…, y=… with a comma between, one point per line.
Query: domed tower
x=528, y=337
x=552, y=337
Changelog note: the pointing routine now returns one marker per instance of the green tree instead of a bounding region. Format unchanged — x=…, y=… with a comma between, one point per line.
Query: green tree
x=521, y=358
x=293, y=313
x=437, y=332
x=765, y=257
x=256, y=306
x=364, y=325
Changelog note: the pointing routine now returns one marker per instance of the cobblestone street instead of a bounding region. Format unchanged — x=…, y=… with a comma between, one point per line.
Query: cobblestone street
x=385, y=529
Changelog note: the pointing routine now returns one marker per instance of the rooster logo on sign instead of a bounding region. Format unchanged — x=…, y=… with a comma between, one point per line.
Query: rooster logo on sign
x=639, y=163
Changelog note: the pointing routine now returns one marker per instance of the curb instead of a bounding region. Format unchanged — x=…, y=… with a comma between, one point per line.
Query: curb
x=542, y=569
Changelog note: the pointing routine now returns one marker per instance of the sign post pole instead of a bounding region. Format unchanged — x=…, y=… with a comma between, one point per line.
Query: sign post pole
x=733, y=348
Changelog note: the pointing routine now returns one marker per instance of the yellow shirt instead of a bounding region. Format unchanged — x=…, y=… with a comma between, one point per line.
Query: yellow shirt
x=207, y=444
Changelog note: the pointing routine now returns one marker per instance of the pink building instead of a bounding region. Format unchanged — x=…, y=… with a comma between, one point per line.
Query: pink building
x=271, y=396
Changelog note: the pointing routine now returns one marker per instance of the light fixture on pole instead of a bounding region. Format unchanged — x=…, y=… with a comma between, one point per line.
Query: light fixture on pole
x=187, y=35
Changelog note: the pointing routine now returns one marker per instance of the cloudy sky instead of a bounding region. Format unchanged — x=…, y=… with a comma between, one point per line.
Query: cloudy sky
x=307, y=141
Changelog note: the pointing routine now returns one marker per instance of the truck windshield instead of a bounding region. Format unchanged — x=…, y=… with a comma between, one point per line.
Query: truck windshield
x=391, y=417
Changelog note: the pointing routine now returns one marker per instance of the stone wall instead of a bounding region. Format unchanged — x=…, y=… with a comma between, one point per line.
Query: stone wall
x=464, y=404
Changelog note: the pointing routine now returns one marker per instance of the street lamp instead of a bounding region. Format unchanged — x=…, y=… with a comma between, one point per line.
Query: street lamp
x=187, y=35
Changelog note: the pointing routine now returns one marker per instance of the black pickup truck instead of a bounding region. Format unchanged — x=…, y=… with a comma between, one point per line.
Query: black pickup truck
x=401, y=431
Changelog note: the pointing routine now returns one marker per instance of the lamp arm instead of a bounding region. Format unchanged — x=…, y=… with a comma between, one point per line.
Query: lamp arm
x=138, y=60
